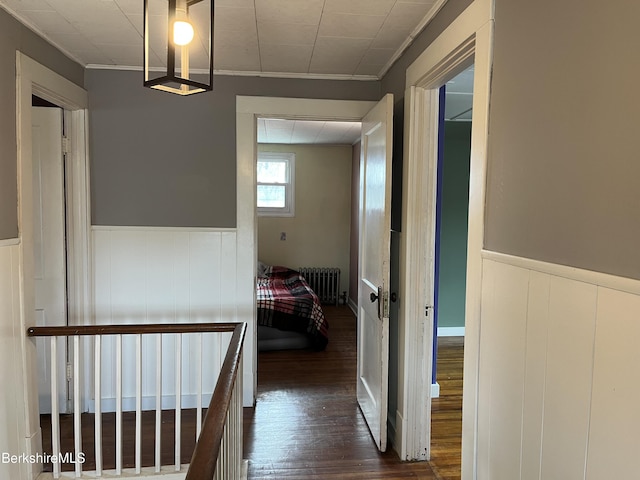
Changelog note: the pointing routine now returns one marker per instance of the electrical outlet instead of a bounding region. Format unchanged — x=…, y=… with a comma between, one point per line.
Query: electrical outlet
x=283, y=235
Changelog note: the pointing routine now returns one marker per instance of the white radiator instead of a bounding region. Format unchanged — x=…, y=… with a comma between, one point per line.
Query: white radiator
x=325, y=281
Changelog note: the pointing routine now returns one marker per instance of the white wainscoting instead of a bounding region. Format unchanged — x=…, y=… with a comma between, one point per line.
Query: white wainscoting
x=163, y=275
x=12, y=410
x=559, y=385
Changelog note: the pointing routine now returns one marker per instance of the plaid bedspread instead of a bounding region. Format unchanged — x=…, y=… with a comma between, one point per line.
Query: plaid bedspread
x=287, y=302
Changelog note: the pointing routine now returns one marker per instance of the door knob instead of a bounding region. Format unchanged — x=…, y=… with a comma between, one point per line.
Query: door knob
x=373, y=297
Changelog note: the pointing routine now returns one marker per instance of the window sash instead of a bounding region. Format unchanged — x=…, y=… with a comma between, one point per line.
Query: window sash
x=289, y=191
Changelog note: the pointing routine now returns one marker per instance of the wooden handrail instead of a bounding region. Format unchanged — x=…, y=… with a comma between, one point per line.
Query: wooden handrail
x=205, y=455
x=130, y=329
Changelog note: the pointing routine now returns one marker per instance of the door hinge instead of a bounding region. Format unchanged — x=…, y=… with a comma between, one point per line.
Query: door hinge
x=69, y=372
x=66, y=145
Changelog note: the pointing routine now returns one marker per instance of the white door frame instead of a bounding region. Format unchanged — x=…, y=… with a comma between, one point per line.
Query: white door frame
x=33, y=78
x=248, y=109
x=468, y=39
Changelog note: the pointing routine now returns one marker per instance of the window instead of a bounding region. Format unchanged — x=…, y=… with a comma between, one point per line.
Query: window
x=276, y=176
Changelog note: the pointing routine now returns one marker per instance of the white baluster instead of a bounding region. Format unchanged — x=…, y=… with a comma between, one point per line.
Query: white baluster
x=118, y=404
x=77, y=409
x=138, y=403
x=158, y=400
x=178, y=409
x=55, y=409
x=199, y=380
x=98, y=404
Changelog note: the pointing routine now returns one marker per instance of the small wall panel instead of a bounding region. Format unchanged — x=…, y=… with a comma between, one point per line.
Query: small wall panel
x=11, y=396
x=614, y=433
x=535, y=374
x=502, y=361
x=147, y=275
x=572, y=307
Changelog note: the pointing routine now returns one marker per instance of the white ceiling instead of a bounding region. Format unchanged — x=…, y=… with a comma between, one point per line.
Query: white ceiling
x=276, y=130
x=318, y=38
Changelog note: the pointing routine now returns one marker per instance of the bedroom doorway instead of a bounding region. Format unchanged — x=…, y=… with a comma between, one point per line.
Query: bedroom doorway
x=452, y=215
x=304, y=201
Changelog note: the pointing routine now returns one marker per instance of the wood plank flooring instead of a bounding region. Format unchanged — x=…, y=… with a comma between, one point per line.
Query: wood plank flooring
x=446, y=411
x=306, y=423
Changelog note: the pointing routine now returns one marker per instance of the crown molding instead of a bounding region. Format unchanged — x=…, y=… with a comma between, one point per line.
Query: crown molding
x=240, y=73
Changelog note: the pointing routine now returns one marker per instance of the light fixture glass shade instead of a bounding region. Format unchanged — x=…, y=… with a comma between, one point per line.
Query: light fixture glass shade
x=174, y=62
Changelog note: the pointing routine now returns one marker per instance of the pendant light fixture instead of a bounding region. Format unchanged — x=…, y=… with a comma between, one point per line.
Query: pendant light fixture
x=178, y=45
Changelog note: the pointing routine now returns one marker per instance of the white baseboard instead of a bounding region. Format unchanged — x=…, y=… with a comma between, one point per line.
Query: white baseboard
x=451, y=331
x=435, y=390
x=353, y=306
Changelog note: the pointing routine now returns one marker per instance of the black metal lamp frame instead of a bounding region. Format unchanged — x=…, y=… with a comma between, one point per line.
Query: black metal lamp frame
x=169, y=77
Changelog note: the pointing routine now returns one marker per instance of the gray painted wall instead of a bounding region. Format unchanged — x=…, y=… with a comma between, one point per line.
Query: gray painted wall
x=563, y=144
x=14, y=36
x=162, y=160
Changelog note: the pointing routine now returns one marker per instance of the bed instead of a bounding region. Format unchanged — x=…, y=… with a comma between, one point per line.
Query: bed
x=289, y=312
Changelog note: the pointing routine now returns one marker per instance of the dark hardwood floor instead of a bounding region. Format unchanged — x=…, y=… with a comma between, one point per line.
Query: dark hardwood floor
x=306, y=423
x=446, y=411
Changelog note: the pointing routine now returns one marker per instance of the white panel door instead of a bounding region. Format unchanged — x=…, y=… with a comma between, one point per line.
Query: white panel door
x=374, y=256
x=49, y=243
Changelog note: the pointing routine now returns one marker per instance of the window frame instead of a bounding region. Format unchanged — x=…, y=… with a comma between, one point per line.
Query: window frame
x=290, y=194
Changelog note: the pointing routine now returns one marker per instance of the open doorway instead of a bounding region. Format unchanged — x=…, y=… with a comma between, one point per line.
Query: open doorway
x=452, y=215
x=304, y=212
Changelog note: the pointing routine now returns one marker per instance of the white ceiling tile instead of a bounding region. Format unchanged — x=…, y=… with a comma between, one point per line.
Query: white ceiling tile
x=123, y=54
x=359, y=7
x=331, y=64
x=225, y=38
x=278, y=131
x=235, y=18
x=342, y=46
x=105, y=11
x=262, y=131
x=289, y=11
x=306, y=131
x=285, y=58
x=369, y=70
x=349, y=25
x=50, y=22
x=462, y=83
x=133, y=7
x=236, y=58
x=287, y=34
x=378, y=56
x=27, y=5
x=137, y=21
x=390, y=37
x=111, y=28
x=82, y=49
x=407, y=15
x=235, y=3
x=429, y=2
